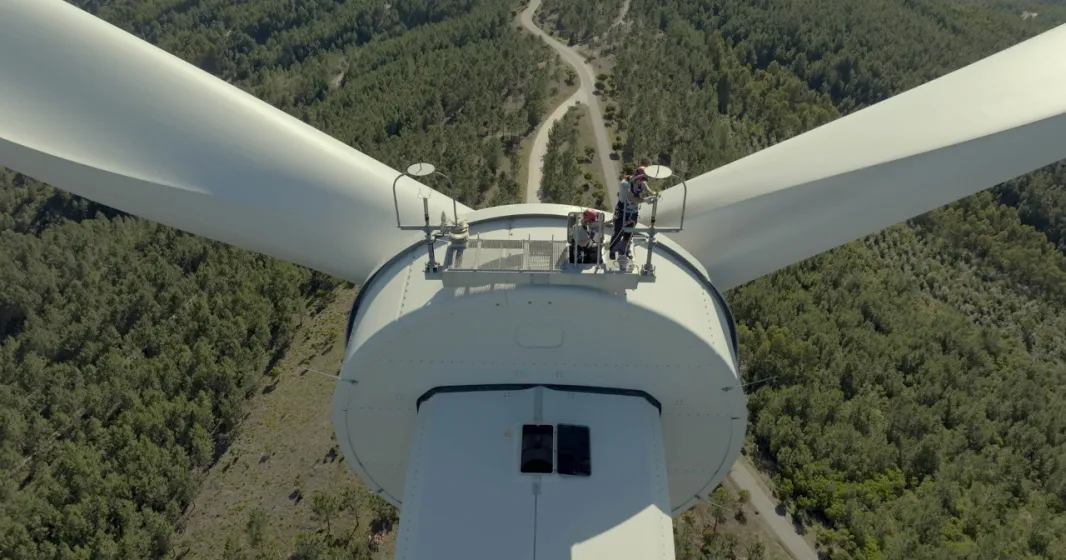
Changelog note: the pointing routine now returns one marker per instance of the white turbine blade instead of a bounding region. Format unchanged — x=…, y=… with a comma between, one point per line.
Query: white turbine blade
x=95, y=111
x=962, y=133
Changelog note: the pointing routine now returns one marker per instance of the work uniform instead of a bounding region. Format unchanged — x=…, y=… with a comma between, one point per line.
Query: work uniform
x=586, y=244
x=630, y=194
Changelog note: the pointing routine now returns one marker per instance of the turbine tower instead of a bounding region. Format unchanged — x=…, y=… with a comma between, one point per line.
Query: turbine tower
x=568, y=410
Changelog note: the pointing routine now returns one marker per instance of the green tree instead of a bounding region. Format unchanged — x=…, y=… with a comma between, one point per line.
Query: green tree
x=324, y=507
x=382, y=514
x=756, y=550
x=493, y=155
x=256, y=526
x=128, y=349
x=233, y=549
x=721, y=506
x=310, y=546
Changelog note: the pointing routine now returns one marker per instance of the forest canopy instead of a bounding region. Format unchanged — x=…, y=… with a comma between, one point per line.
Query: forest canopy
x=914, y=388
x=128, y=349
x=912, y=396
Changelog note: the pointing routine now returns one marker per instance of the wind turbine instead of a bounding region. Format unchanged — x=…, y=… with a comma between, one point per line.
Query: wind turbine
x=480, y=388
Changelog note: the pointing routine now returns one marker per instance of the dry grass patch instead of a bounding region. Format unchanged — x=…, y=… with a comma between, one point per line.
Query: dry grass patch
x=283, y=486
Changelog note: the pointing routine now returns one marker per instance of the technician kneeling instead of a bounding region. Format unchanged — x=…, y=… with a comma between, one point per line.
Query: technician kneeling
x=586, y=238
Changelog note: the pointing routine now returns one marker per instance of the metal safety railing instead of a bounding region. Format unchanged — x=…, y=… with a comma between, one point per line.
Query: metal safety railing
x=528, y=260
x=508, y=255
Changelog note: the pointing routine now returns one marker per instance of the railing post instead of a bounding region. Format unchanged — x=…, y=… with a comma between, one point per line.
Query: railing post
x=455, y=208
x=432, y=265
x=599, y=245
x=395, y=199
x=425, y=170
x=684, y=195
x=648, y=269
x=477, y=253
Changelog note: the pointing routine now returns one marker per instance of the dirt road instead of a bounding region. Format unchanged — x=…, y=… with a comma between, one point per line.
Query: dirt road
x=742, y=473
x=743, y=476
x=585, y=95
x=540, y=147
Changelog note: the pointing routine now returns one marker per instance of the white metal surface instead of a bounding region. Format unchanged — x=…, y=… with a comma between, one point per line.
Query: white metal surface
x=464, y=472
x=466, y=497
x=957, y=135
x=95, y=111
x=623, y=509
x=671, y=338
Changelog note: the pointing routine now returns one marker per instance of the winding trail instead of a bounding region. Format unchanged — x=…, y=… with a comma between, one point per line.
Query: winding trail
x=742, y=474
x=540, y=147
x=584, y=94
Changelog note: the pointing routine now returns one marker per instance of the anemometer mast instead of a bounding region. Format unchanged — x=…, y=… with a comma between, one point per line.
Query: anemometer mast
x=566, y=405
x=660, y=172
x=433, y=232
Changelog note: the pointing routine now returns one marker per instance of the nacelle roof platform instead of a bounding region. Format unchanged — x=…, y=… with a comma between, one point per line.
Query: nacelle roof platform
x=672, y=338
x=532, y=261
x=547, y=258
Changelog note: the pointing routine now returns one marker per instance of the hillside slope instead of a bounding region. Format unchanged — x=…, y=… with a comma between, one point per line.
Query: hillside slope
x=127, y=349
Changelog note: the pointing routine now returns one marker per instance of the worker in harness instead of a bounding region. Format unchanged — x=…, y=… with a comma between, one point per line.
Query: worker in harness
x=586, y=238
x=631, y=192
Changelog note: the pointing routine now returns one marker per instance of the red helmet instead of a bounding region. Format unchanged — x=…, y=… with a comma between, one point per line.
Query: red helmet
x=590, y=216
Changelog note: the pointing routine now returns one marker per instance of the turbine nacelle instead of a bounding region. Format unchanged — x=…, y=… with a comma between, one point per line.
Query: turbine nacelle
x=433, y=367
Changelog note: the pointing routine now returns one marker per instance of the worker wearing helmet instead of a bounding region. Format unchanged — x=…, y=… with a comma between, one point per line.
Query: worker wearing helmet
x=587, y=237
x=631, y=192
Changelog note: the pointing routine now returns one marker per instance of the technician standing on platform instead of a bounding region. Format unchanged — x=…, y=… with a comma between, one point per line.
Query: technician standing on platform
x=631, y=192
